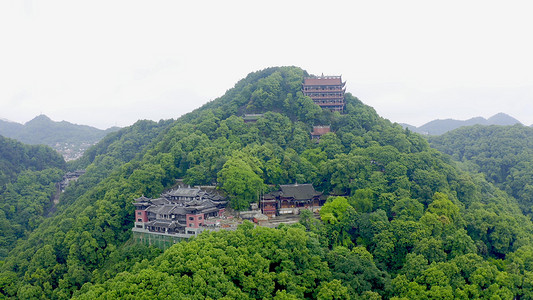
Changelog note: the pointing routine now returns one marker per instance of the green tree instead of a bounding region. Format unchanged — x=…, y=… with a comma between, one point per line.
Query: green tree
x=332, y=290
x=408, y=209
x=333, y=212
x=240, y=182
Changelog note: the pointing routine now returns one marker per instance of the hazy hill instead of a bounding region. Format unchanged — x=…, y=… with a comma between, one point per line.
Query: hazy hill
x=410, y=224
x=71, y=140
x=437, y=127
x=9, y=128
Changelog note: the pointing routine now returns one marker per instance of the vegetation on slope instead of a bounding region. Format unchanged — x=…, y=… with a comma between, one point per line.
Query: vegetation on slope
x=504, y=154
x=28, y=175
x=410, y=224
x=248, y=263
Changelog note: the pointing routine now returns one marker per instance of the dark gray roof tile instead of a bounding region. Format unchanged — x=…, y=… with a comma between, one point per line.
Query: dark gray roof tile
x=299, y=191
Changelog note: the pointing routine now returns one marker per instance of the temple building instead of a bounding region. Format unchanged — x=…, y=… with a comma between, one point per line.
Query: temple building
x=251, y=118
x=182, y=212
x=70, y=177
x=326, y=91
x=290, y=199
x=319, y=131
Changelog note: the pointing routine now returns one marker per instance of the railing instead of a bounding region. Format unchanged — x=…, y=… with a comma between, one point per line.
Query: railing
x=326, y=97
x=319, y=102
x=322, y=88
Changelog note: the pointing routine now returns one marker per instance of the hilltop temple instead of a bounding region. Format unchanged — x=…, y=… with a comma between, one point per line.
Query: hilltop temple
x=326, y=91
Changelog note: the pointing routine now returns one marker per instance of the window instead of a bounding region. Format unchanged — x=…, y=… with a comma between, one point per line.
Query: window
x=200, y=217
x=191, y=218
x=139, y=220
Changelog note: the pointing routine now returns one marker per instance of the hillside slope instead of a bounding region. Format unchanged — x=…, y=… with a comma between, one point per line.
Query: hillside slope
x=16, y=157
x=27, y=182
x=69, y=139
x=438, y=127
x=410, y=224
x=503, y=153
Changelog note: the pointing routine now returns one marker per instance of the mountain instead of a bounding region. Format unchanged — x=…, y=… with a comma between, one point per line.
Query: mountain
x=502, y=119
x=437, y=127
x=407, y=126
x=69, y=139
x=504, y=154
x=409, y=223
x=9, y=128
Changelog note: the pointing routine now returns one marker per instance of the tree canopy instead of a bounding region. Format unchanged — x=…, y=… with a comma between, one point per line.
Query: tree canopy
x=504, y=154
x=406, y=222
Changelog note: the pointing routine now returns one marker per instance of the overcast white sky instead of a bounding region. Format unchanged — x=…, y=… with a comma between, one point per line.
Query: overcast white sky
x=106, y=63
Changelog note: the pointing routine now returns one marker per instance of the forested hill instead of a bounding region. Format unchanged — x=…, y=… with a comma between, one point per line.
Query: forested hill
x=503, y=153
x=409, y=224
x=27, y=182
x=438, y=127
x=71, y=140
x=16, y=157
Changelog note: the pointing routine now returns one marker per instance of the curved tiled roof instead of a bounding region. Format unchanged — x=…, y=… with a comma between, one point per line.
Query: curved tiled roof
x=142, y=199
x=324, y=80
x=184, y=192
x=299, y=191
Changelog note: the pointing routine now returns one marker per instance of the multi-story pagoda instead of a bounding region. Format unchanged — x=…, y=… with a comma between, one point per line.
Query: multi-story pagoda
x=326, y=91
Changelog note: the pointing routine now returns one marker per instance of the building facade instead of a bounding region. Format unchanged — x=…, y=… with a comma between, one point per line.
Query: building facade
x=182, y=212
x=326, y=91
x=319, y=131
x=290, y=199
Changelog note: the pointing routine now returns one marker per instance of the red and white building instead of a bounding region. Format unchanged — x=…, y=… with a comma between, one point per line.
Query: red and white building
x=182, y=212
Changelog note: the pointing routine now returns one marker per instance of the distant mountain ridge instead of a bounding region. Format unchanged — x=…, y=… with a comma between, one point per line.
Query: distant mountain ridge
x=71, y=140
x=438, y=127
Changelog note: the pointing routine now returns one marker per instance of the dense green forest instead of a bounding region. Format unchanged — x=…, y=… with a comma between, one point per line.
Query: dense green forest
x=504, y=154
x=28, y=177
x=406, y=224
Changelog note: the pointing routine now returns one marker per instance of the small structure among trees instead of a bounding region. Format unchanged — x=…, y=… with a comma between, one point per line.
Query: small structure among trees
x=319, y=131
x=70, y=177
x=326, y=91
x=251, y=118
